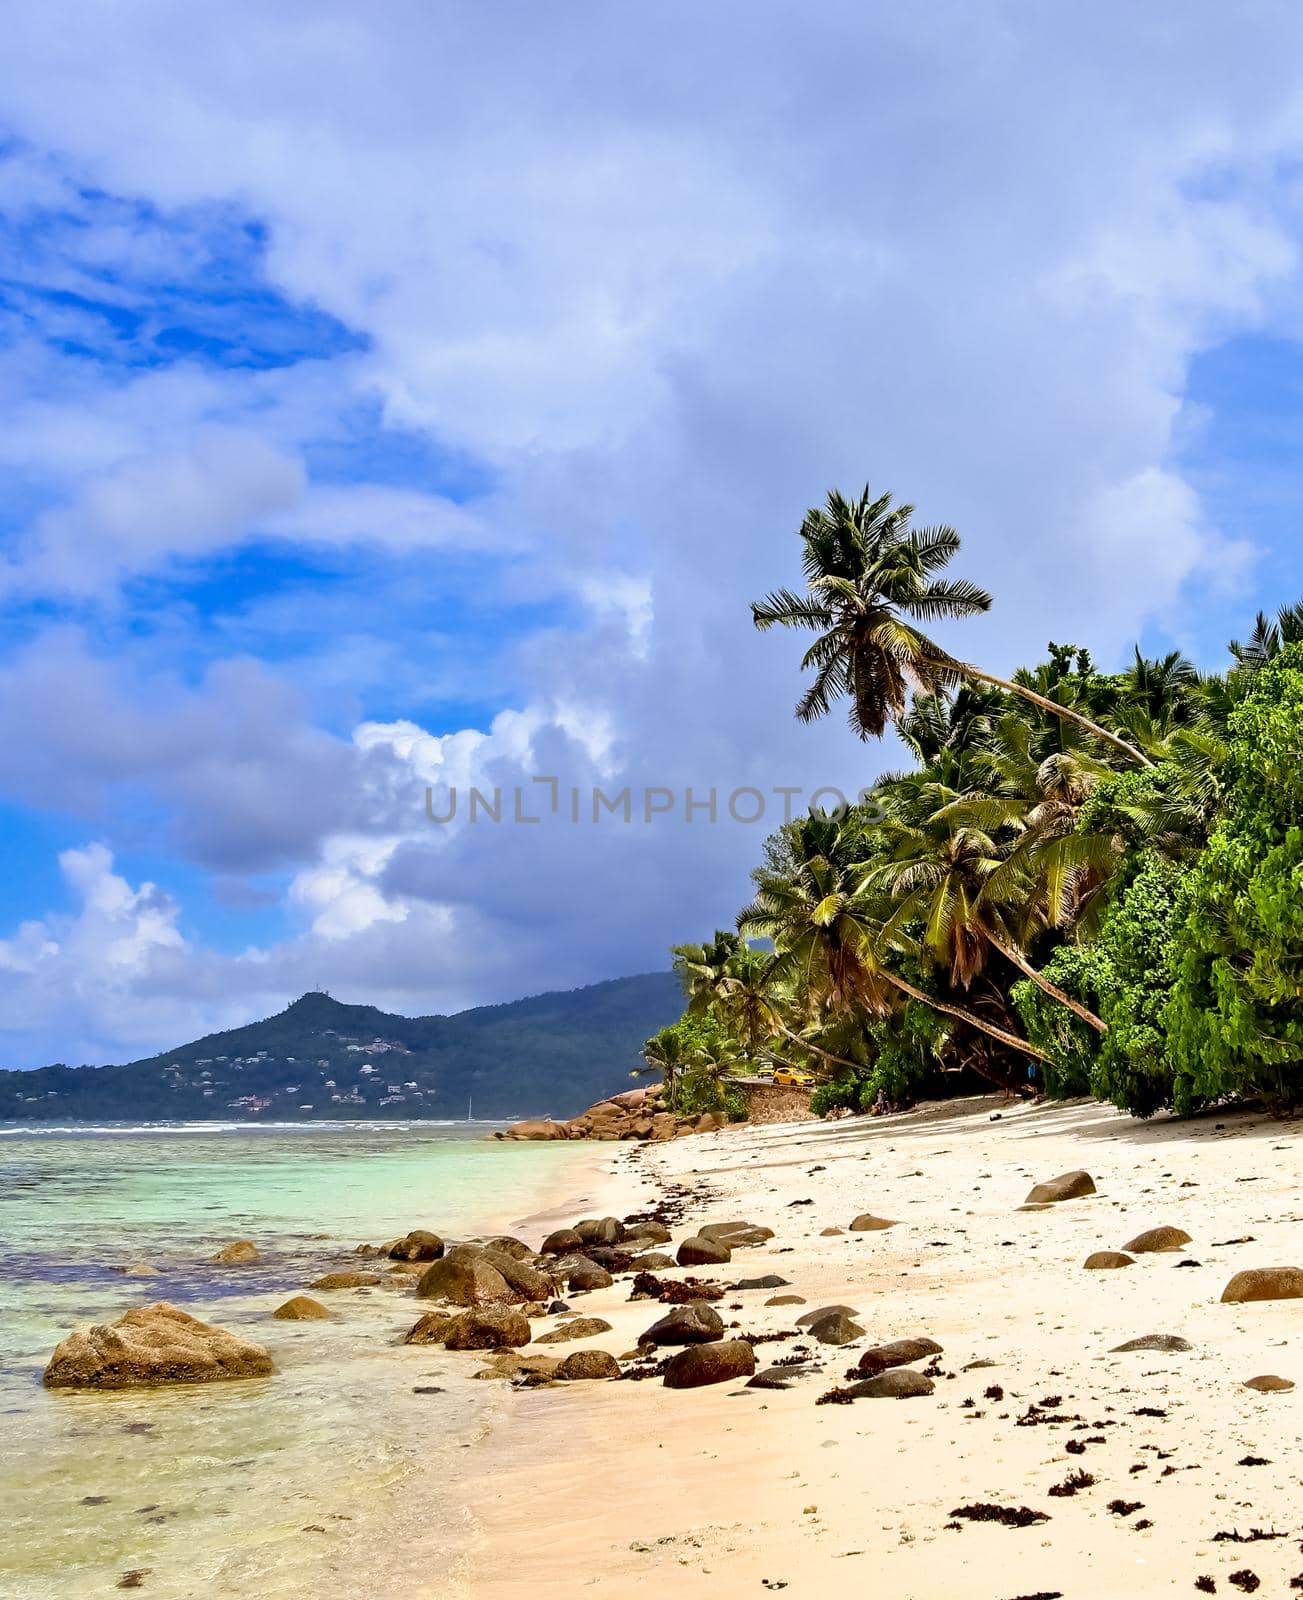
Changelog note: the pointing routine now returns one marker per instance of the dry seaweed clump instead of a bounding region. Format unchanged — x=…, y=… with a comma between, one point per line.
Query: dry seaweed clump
x=1073, y=1484
x=1006, y=1516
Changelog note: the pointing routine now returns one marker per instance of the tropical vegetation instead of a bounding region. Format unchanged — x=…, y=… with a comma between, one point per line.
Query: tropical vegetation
x=1087, y=882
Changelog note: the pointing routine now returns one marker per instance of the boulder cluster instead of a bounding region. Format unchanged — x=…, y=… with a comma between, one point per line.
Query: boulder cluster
x=637, y=1114
x=489, y=1291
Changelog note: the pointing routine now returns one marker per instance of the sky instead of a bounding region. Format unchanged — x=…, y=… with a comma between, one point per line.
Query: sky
x=413, y=396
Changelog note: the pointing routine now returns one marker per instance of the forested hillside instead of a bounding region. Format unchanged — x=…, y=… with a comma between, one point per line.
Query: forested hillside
x=553, y=1053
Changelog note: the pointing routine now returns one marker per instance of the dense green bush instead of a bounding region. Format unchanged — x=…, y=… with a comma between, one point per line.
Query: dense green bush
x=1235, y=1017
x=1125, y=978
x=845, y=1093
x=1133, y=1066
x=906, y=1064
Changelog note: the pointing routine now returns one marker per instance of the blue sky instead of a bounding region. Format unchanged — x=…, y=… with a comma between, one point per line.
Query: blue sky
x=369, y=421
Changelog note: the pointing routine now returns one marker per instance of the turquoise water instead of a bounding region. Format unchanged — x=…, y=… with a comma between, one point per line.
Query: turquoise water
x=271, y=1487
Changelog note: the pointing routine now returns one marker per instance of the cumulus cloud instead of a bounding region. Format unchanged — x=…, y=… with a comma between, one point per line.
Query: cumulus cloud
x=84, y=973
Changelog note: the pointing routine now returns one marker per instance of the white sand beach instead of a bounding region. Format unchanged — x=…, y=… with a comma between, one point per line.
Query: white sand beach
x=622, y=1488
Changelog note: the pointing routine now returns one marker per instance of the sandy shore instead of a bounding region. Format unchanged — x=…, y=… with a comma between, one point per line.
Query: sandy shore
x=617, y=1488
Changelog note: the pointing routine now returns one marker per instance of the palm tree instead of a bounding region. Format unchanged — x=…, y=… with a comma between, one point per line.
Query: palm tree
x=826, y=937
x=665, y=1053
x=1269, y=638
x=869, y=579
x=728, y=980
x=950, y=879
x=1163, y=687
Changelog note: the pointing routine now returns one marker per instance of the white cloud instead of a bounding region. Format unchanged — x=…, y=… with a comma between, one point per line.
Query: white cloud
x=149, y=511
x=86, y=974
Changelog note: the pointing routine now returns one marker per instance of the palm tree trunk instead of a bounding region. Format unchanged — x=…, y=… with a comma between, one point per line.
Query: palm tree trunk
x=855, y=1066
x=1056, y=710
x=1011, y=1039
x=1042, y=982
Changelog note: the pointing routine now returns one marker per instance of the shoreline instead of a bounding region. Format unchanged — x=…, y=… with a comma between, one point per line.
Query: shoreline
x=334, y=1448
x=610, y=1487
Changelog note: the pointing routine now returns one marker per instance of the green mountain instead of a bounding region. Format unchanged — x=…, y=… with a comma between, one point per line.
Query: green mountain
x=551, y=1054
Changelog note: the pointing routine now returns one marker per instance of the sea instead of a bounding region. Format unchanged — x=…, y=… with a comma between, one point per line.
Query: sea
x=336, y=1476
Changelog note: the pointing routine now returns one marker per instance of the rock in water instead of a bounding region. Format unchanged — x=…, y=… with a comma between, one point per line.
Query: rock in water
x=694, y=1323
x=899, y=1353
x=1106, y=1260
x=1154, y=1239
x=302, y=1308
x=1269, y=1383
x=898, y=1384
x=578, y=1328
x=701, y=1252
x=431, y=1329
x=588, y=1364
x=347, y=1280
x=487, y=1329
x=139, y=1269
x=1265, y=1283
x=866, y=1222
x=153, y=1345
x=239, y=1254
x=464, y=1278
x=418, y=1245
x=700, y=1364
x=1169, y=1342
x=510, y=1364
x=1068, y=1186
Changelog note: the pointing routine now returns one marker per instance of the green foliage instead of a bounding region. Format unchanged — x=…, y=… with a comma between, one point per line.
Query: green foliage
x=909, y=1046
x=1125, y=977
x=691, y=1032
x=842, y=1094
x=698, y=1089
x=1122, y=803
x=1081, y=971
x=1133, y=1068
x=1235, y=1017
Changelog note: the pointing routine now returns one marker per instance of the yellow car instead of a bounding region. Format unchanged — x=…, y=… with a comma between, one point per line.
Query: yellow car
x=794, y=1077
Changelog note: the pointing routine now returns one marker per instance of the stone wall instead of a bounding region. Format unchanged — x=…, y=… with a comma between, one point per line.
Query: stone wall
x=772, y=1102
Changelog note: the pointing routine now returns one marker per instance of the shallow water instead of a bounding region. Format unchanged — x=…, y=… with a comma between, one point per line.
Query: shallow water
x=303, y=1481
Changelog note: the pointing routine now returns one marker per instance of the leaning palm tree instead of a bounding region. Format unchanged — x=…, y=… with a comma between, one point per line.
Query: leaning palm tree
x=870, y=579
x=826, y=934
